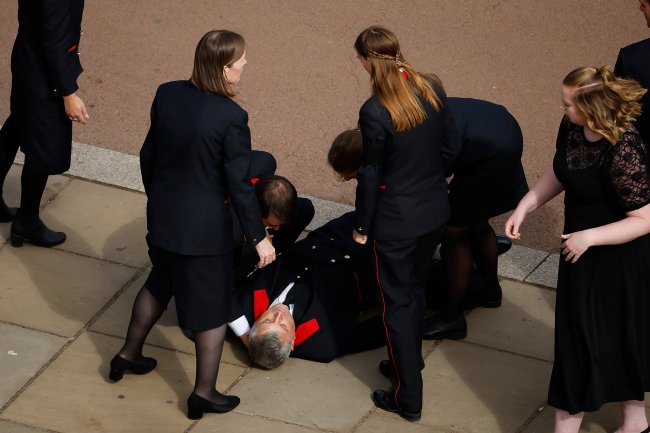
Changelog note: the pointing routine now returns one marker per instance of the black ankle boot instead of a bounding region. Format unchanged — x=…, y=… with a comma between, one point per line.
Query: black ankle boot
x=7, y=214
x=119, y=365
x=197, y=405
x=31, y=229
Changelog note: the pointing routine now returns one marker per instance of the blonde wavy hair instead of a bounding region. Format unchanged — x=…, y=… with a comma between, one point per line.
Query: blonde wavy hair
x=398, y=91
x=609, y=103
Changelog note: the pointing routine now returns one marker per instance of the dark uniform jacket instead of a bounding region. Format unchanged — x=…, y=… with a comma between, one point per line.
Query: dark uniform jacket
x=634, y=62
x=45, y=57
x=195, y=164
x=333, y=283
x=401, y=191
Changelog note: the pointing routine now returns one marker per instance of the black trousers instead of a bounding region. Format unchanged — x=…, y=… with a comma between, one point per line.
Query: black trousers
x=401, y=268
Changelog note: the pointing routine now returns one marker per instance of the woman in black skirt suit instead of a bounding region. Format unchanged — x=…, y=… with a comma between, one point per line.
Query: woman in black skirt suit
x=488, y=180
x=408, y=141
x=195, y=164
x=44, y=103
x=602, y=313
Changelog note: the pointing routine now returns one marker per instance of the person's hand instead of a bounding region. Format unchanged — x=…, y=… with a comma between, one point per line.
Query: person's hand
x=75, y=108
x=575, y=244
x=265, y=251
x=359, y=238
x=514, y=223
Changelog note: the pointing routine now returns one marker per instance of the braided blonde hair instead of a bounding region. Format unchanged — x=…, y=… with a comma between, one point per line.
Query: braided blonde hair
x=610, y=104
x=398, y=86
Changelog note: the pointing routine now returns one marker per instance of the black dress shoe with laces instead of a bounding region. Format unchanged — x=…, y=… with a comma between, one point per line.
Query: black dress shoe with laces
x=383, y=400
x=437, y=328
x=119, y=365
x=32, y=230
x=503, y=244
x=197, y=405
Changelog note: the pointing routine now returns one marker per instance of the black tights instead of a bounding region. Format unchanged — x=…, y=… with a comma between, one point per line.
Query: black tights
x=32, y=184
x=461, y=248
x=208, y=344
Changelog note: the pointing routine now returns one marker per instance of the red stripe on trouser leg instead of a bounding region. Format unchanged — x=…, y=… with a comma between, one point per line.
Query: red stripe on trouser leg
x=383, y=320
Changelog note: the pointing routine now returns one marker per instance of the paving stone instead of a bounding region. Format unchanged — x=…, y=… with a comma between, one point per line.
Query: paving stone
x=523, y=324
x=326, y=211
x=332, y=396
x=546, y=273
x=102, y=222
x=11, y=193
x=475, y=389
x=55, y=291
x=74, y=396
x=607, y=419
x=241, y=423
x=382, y=422
x=165, y=333
x=22, y=353
x=12, y=427
x=519, y=262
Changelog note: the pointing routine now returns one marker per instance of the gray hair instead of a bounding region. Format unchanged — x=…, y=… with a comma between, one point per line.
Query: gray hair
x=266, y=350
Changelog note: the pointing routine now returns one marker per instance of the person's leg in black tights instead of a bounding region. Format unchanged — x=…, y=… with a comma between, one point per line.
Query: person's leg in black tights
x=484, y=250
x=146, y=312
x=456, y=252
x=209, y=346
x=8, y=148
x=32, y=186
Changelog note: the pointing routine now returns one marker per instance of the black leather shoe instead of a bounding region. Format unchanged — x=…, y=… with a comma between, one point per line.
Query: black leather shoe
x=436, y=329
x=384, y=401
x=31, y=229
x=491, y=299
x=386, y=369
x=7, y=214
x=119, y=365
x=503, y=244
x=197, y=405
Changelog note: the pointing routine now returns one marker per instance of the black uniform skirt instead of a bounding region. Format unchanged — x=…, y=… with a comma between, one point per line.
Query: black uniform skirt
x=200, y=284
x=43, y=131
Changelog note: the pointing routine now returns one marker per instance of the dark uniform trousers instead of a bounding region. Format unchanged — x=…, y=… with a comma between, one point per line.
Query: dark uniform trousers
x=402, y=268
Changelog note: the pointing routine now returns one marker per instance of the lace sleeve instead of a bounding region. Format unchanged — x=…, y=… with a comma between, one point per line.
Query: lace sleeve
x=628, y=172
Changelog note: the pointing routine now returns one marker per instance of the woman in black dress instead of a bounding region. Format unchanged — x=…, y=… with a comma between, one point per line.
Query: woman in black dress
x=195, y=164
x=401, y=202
x=602, y=314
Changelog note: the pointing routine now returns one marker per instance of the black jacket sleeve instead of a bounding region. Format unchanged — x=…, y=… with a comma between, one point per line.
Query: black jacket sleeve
x=619, y=69
x=237, y=156
x=452, y=143
x=148, y=151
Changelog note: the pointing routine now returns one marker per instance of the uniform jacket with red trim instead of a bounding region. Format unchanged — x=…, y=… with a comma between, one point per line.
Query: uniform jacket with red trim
x=332, y=285
x=45, y=58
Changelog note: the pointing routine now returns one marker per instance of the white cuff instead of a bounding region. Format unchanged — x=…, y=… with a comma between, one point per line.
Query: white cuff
x=240, y=326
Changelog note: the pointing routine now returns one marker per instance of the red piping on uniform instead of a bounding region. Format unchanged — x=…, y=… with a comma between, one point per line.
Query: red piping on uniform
x=383, y=319
x=254, y=180
x=382, y=187
x=71, y=49
x=359, y=294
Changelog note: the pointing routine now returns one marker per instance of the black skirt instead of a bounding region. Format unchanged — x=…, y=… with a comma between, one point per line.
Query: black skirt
x=200, y=284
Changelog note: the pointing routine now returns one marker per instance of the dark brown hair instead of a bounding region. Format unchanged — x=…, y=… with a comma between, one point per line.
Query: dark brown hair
x=346, y=152
x=216, y=49
x=277, y=196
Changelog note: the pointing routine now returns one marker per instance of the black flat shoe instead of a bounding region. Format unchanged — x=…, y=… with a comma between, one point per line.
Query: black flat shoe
x=31, y=229
x=386, y=369
x=383, y=401
x=503, y=244
x=437, y=329
x=7, y=214
x=197, y=405
x=119, y=365
x=492, y=299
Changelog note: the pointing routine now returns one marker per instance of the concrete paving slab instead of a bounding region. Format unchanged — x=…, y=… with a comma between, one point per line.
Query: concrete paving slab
x=475, y=389
x=326, y=211
x=55, y=291
x=22, y=353
x=519, y=262
x=546, y=273
x=74, y=396
x=524, y=323
x=12, y=427
x=241, y=423
x=102, y=222
x=381, y=422
x=11, y=193
x=166, y=333
x=606, y=420
x=309, y=393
